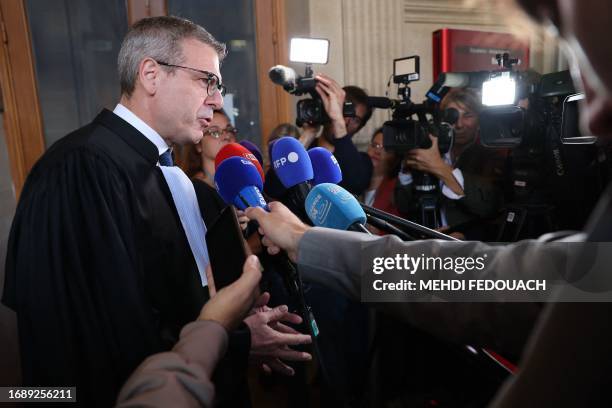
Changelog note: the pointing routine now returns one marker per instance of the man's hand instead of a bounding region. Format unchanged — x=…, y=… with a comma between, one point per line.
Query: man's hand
x=333, y=96
x=280, y=227
x=270, y=338
x=229, y=306
x=309, y=134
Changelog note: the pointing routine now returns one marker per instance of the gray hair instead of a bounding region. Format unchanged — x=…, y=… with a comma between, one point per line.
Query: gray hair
x=158, y=38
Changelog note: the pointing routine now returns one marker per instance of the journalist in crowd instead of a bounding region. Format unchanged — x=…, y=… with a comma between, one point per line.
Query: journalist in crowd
x=569, y=338
x=469, y=175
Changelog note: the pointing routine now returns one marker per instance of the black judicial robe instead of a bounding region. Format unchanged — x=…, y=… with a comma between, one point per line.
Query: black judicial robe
x=98, y=266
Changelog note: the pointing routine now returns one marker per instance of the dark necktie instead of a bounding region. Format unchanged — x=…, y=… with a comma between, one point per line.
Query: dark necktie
x=166, y=159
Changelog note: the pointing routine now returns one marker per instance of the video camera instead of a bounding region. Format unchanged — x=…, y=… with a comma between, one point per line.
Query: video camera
x=536, y=117
x=519, y=109
x=309, y=51
x=403, y=133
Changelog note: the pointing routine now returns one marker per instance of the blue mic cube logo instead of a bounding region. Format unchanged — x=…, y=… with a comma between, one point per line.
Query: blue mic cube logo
x=318, y=209
x=292, y=157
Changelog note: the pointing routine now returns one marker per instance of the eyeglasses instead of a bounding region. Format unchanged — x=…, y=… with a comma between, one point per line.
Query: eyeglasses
x=217, y=132
x=376, y=146
x=212, y=81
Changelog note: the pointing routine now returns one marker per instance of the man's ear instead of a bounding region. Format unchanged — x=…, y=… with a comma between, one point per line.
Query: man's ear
x=149, y=73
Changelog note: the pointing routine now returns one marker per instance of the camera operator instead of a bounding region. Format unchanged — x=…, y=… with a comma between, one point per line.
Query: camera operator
x=571, y=338
x=337, y=135
x=466, y=173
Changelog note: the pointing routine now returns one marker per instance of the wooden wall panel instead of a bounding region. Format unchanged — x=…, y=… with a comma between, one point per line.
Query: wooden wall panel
x=272, y=49
x=22, y=116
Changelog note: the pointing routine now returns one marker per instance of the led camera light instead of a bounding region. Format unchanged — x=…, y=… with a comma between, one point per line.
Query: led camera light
x=499, y=90
x=309, y=50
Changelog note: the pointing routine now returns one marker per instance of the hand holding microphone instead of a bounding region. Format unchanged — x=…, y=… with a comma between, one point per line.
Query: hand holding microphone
x=239, y=183
x=281, y=229
x=327, y=205
x=297, y=170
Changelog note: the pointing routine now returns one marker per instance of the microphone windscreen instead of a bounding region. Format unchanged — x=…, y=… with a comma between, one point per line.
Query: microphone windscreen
x=233, y=175
x=291, y=162
x=282, y=75
x=331, y=206
x=325, y=167
x=253, y=149
x=379, y=102
x=237, y=150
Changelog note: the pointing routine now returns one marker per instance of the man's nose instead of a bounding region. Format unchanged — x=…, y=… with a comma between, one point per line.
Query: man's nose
x=215, y=101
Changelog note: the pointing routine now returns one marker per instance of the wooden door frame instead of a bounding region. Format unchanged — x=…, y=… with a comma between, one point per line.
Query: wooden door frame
x=22, y=116
x=272, y=49
x=22, y=112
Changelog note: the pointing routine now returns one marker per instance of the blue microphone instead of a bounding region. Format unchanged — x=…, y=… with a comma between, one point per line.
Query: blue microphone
x=324, y=166
x=239, y=183
x=293, y=168
x=329, y=205
x=291, y=162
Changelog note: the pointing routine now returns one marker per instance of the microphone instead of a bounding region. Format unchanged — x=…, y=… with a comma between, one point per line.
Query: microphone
x=236, y=150
x=239, y=183
x=284, y=76
x=252, y=147
x=325, y=167
x=329, y=205
x=382, y=102
x=293, y=167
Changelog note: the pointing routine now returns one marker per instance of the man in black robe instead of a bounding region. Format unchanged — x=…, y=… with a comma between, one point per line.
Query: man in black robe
x=99, y=268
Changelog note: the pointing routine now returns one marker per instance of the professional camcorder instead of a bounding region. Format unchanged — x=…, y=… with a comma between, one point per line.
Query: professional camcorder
x=550, y=180
x=519, y=105
x=403, y=132
x=309, y=51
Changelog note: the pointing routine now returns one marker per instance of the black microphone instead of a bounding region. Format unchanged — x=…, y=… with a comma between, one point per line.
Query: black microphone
x=284, y=76
x=382, y=102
